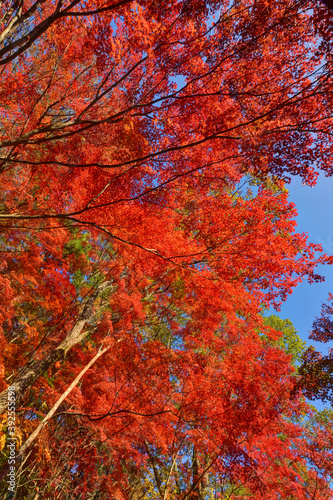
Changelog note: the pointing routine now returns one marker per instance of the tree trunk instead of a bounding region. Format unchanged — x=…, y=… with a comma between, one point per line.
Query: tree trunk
x=36, y=368
x=54, y=408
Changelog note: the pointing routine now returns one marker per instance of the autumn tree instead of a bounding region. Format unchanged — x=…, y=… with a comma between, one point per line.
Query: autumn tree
x=144, y=149
x=317, y=369
x=289, y=341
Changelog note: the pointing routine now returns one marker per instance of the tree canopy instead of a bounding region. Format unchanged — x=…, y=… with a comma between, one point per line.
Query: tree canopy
x=145, y=225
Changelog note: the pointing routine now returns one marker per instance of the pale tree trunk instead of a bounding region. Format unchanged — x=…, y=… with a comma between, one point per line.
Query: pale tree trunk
x=35, y=369
x=54, y=408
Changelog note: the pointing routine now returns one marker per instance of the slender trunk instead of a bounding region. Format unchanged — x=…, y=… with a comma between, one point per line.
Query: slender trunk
x=54, y=408
x=36, y=368
x=195, y=494
x=199, y=479
x=156, y=474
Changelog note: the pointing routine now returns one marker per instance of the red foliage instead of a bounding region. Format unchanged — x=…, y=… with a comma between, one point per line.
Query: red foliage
x=145, y=147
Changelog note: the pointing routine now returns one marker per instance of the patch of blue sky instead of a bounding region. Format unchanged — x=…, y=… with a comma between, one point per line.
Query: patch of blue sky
x=315, y=211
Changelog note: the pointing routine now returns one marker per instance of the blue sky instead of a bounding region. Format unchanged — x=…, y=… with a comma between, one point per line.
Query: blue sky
x=315, y=211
